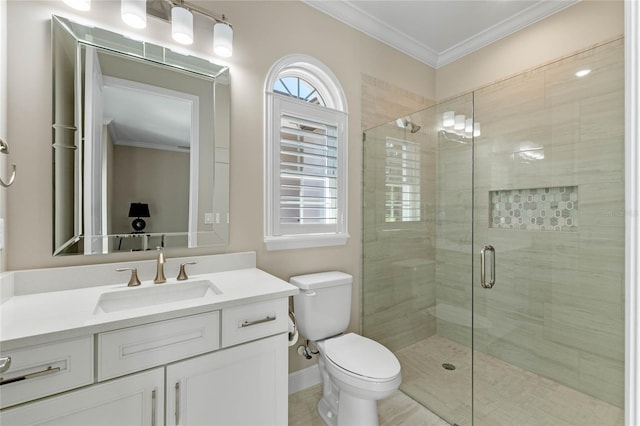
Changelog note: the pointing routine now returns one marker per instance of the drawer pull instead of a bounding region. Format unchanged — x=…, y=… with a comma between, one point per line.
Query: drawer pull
x=153, y=407
x=256, y=322
x=177, y=387
x=49, y=370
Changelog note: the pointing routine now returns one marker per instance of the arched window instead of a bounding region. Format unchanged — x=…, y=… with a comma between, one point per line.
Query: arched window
x=305, y=155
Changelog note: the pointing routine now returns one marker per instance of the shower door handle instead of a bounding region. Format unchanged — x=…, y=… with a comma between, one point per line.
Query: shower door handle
x=483, y=267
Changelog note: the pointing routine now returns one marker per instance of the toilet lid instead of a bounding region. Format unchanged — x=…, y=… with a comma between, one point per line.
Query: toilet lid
x=362, y=356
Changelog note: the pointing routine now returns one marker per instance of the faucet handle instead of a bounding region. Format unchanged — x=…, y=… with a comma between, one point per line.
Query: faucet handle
x=134, y=281
x=183, y=274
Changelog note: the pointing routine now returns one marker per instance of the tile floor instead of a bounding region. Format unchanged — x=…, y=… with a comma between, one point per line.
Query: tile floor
x=398, y=410
x=505, y=394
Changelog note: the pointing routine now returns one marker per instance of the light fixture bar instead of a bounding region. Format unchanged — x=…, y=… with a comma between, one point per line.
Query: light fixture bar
x=162, y=9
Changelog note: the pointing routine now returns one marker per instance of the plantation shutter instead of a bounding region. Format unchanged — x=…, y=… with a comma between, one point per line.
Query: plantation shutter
x=308, y=168
x=402, y=181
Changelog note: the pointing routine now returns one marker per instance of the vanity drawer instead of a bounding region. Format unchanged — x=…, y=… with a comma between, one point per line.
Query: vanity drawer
x=42, y=370
x=133, y=349
x=254, y=321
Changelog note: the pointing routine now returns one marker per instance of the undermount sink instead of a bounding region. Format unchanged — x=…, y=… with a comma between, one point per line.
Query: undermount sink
x=141, y=297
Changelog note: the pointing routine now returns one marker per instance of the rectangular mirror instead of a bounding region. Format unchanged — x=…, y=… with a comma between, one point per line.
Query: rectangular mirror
x=140, y=145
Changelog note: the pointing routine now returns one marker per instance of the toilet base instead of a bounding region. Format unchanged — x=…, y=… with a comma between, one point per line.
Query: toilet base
x=353, y=411
x=356, y=411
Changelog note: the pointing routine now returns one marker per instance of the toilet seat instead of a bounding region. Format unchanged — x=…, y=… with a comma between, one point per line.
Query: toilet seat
x=362, y=357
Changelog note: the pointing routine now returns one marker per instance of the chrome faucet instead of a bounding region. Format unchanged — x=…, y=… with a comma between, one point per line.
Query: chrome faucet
x=160, y=278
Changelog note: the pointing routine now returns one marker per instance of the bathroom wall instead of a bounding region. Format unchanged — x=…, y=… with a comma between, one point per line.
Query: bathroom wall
x=584, y=24
x=264, y=31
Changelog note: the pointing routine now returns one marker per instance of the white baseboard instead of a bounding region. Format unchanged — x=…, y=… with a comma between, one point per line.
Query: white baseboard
x=303, y=379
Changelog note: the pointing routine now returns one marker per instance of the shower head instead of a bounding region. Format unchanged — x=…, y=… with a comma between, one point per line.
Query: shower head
x=407, y=124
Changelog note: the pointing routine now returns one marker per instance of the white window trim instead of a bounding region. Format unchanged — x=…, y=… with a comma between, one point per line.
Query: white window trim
x=321, y=77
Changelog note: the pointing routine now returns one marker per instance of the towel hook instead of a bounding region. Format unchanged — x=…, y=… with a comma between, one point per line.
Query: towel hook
x=4, y=149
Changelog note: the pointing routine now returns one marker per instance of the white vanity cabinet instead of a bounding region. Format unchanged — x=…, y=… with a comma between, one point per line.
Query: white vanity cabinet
x=225, y=367
x=243, y=385
x=133, y=400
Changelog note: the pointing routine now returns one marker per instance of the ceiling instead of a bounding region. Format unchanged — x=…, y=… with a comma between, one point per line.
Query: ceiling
x=437, y=32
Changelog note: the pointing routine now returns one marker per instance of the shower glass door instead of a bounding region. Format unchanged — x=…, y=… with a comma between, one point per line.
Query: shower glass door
x=548, y=203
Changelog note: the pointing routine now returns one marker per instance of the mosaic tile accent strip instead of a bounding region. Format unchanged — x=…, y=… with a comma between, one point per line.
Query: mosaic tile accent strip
x=538, y=209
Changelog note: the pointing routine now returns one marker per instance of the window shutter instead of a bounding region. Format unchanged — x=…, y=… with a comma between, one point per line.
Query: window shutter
x=308, y=171
x=402, y=181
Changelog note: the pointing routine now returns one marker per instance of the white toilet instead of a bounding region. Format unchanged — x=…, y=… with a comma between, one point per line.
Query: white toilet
x=356, y=371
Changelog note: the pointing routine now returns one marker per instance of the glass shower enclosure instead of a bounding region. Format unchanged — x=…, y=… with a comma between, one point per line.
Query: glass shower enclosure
x=493, y=247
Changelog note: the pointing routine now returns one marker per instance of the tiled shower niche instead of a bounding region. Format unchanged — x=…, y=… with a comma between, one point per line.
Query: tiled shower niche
x=537, y=209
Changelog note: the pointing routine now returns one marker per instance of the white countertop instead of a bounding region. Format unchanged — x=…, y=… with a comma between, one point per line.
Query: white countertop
x=36, y=318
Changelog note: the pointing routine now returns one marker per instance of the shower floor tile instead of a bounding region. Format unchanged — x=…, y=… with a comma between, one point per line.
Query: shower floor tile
x=504, y=394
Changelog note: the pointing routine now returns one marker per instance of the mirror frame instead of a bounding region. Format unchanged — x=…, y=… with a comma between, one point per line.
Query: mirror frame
x=69, y=236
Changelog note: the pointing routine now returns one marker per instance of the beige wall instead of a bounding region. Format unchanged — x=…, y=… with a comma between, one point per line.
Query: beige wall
x=575, y=28
x=264, y=32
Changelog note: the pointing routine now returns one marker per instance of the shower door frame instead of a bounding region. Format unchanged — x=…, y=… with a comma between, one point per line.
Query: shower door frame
x=632, y=217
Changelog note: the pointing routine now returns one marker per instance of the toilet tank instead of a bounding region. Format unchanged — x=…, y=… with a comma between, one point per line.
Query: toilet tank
x=323, y=306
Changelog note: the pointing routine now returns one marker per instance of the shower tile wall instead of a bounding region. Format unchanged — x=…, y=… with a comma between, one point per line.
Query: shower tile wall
x=398, y=258
x=557, y=308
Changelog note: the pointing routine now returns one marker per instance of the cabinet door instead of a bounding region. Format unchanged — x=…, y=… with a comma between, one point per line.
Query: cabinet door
x=133, y=400
x=242, y=385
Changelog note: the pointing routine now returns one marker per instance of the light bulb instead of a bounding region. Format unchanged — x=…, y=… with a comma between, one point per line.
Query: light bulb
x=223, y=39
x=134, y=13
x=448, y=119
x=468, y=126
x=182, y=25
x=476, y=129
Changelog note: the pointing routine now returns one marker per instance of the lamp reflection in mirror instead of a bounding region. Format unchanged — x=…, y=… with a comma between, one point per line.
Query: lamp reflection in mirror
x=134, y=13
x=139, y=210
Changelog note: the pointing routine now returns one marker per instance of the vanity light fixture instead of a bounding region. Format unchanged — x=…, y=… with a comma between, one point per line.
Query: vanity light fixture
x=223, y=39
x=180, y=14
x=448, y=119
x=476, y=129
x=83, y=5
x=182, y=25
x=134, y=13
x=460, y=125
x=468, y=126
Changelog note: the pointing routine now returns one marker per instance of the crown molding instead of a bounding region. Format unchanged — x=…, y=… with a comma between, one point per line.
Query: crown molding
x=502, y=29
x=348, y=13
